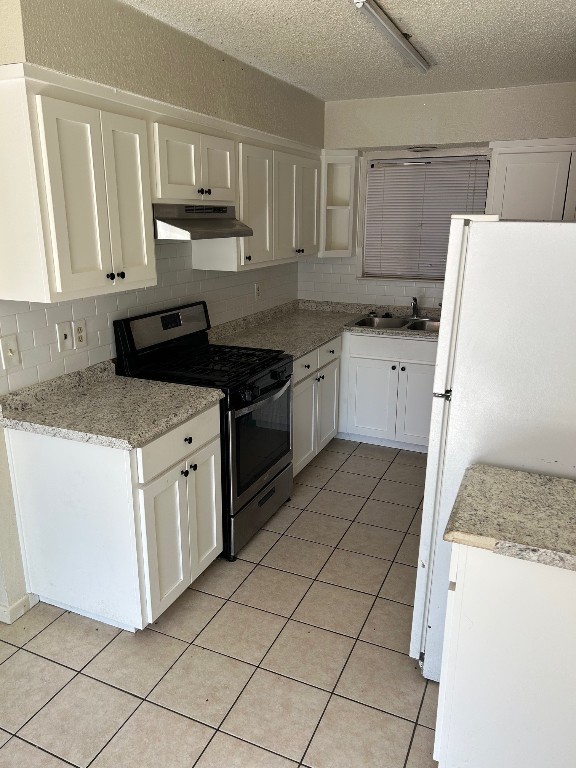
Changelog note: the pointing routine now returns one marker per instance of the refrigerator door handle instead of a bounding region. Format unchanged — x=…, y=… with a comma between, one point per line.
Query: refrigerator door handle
x=447, y=395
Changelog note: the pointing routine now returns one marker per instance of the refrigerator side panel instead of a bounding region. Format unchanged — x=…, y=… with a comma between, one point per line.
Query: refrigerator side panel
x=514, y=375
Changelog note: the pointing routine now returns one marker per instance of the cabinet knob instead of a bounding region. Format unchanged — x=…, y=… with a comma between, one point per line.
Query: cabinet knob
x=403, y=368
x=307, y=366
x=185, y=472
x=111, y=276
x=248, y=258
x=188, y=440
x=393, y=367
x=208, y=191
x=193, y=467
x=121, y=275
x=322, y=377
x=332, y=351
x=201, y=191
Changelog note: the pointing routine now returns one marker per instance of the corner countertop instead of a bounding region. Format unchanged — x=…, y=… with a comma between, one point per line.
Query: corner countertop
x=299, y=327
x=518, y=514
x=96, y=406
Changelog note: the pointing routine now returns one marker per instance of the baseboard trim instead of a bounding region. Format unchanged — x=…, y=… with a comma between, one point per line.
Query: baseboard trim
x=378, y=441
x=9, y=613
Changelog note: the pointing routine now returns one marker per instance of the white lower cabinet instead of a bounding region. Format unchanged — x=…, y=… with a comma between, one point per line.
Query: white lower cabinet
x=507, y=682
x=328, y=394
x=315, y=404
x=414, y=405
x=304, y=441
x=204, y=507
x=166, y=537
x=113, y=534
x=387, y=385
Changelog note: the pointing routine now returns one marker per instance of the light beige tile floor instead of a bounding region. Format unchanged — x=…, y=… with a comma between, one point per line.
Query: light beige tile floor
x=294, y=655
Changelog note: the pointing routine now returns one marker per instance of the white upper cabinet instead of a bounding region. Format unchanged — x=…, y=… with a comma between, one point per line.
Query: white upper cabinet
x=80, y=179
x=533, y=183
x=218, y=168
x=177, y=163
x=194, y=166
x=285, y=209
x=256, y=210
x=73, y=159
x=338, y=204
x=98, y=199
x=308, y=205
x=296, y=206
x=129, y=202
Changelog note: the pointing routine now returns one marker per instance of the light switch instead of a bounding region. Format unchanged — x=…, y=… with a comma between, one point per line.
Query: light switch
x=10, y=351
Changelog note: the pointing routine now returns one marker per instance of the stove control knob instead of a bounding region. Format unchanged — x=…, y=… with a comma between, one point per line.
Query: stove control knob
x=246, y=395
x=278, y=375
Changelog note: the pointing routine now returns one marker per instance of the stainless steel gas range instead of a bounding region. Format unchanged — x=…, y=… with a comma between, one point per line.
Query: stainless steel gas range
x=256, y=412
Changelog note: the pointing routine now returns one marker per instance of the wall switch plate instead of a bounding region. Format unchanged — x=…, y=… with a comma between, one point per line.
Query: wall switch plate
x=65, y=335
x=10, y=351
x=256, y=290
x=79, y=328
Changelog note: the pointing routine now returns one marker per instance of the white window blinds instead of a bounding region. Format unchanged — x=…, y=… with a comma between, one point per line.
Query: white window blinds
x=408, y=209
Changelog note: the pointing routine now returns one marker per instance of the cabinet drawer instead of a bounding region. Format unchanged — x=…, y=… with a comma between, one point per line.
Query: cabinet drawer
x=174, y=445
x=330, y=351
x=389, y=348
x=305, y=365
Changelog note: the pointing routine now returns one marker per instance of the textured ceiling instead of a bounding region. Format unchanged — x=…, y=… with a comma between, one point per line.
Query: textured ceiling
x=332, y=50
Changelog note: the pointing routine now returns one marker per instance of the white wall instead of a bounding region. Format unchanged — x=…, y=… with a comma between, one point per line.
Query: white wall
x=229, y=295
x=336, y=280
x=464, y=117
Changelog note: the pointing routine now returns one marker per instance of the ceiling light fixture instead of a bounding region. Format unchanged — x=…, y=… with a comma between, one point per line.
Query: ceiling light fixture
x=396, y=37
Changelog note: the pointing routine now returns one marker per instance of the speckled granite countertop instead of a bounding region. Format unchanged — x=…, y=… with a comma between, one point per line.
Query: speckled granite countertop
x=96, y=406
x=514, y=513
x=301, y=326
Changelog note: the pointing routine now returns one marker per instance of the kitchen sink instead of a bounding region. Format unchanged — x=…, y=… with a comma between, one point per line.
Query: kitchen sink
x=383, y=322
x=424, y=325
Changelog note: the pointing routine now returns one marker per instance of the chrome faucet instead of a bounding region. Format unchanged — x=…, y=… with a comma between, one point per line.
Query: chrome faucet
x=414, y=306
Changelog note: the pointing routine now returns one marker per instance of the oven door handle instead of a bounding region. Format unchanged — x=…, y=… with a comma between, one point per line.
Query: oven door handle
x=264, y=400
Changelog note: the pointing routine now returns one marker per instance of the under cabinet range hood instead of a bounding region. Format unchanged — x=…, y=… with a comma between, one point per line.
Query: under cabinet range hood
x=197, y=222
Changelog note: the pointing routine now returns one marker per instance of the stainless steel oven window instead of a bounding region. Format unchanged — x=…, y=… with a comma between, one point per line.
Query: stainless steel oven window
x=261, y=440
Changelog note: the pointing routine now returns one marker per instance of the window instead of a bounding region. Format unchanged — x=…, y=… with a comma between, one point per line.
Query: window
x=408, y=209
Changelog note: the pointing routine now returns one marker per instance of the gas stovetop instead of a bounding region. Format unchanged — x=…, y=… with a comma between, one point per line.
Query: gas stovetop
x=172, y=345
x=216, y=365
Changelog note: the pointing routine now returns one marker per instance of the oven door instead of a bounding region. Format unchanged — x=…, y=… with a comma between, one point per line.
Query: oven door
x=260, y=443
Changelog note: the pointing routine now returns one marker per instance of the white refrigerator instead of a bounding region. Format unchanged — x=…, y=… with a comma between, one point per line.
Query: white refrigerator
x=504, y=385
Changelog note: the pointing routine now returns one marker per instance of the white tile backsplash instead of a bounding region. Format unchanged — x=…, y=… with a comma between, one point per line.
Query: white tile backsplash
x=229, y=296
x=337, y=280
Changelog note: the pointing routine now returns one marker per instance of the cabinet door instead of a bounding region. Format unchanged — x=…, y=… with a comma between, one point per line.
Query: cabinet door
x=256, y=192
x=529, y=186
x=218, y=168
x=285, y=224
x=177, y=163
x=166, y=539
x=308, y=206
x=129, y=204
x=204, y=507
x=328, y=392
x=415, y=387
x=304, y=429
x=73, y=161
x=373, y=391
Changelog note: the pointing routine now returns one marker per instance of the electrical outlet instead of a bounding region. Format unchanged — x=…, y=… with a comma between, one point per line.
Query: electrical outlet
x=256, y=290
x=65, y=335
x=10, y=351
x=79, y=328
